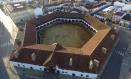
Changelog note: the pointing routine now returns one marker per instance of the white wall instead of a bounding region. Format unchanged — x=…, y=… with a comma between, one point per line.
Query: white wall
x=28, y=66
x=62, y=71
x=77, y=73
x=16, y=1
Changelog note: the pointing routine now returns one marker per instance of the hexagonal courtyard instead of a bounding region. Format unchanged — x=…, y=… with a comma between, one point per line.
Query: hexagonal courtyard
x=66, y=34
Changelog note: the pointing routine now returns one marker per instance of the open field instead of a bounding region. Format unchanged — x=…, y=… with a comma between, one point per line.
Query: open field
x=70, y=35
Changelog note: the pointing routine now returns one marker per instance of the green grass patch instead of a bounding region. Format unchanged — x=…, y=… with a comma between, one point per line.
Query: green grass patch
x=70, y=35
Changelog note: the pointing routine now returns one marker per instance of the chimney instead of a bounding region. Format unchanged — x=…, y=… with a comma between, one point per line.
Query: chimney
x=113, y=36
x=33, y=56
x=91, y=65
x=104, y=50
x=70, y=62
x=96, y=62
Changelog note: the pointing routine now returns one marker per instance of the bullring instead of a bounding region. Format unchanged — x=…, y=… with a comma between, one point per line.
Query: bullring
x=86, y=61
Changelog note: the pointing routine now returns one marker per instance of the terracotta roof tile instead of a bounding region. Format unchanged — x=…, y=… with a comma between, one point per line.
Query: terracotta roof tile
x=90, y=46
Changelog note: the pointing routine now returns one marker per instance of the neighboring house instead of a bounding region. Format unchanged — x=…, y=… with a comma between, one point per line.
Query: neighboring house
x=118, y=16
x=126, y=20
x=124, y=6
x=49, y=2
x=18, y=1
x=1, y=1
x=38, y=12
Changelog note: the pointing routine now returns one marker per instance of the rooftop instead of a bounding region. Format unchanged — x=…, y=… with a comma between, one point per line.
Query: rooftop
x=127, y=17
x=119, y=13
x=92, y=43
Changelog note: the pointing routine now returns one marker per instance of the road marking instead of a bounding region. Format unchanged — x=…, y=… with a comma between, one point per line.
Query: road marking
x=121, y=52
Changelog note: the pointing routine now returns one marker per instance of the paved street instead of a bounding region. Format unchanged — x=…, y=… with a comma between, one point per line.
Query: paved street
x=126, y=65
x=22, y=15
x=112, y=70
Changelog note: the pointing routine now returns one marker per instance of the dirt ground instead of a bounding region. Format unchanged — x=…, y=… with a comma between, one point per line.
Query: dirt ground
x=70, y=35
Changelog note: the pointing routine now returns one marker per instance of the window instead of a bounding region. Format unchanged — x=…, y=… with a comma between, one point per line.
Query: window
x=58, y=72
x=72, y=20
x=87, y=25
x=87, y=76
x=48, y=23
x=91, y=29
x=73, y=75
x=82, y=21
x=31, y=67
x=76, y=20
x=45, y=69
x=65, y=72
x=94, y=31
x=104, y=50
x=18, y=65
x=81, y=75
x=23, y=65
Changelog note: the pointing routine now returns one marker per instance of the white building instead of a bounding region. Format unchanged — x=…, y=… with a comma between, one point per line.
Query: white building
x=118, y=16
x=9, y=25
x=17, y=1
